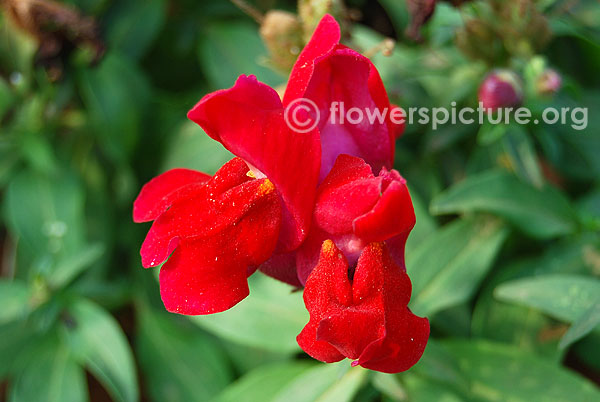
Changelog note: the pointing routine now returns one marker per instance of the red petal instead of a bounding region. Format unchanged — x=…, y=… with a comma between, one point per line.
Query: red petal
x=208, y=275
x=200, y=279
x=203, y=215
x=380, y=97
x=342, y=78
x=326, y=72
x=217, y=236
x=248, y=119
x=392, y=214
x=396, y=128
x=348, y=191
x=283, y=268
x=366, y=319
x=401, y=347
x=325, y=38
x=159, y=193
x=327, y=285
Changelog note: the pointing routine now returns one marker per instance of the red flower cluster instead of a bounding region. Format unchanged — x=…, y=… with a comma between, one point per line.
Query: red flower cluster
x=304, y=208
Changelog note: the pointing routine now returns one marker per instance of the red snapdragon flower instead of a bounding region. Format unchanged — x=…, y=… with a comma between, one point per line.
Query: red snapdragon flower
x=258, y=209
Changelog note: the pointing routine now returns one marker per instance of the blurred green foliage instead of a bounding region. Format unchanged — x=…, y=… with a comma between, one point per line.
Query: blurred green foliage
x=504, y=259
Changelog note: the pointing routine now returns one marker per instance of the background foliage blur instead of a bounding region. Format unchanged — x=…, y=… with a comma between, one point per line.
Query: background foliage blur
x=504, y=260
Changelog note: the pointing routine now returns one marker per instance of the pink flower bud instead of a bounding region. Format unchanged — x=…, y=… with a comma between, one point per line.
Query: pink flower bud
x=549, y=82
x=500, y=89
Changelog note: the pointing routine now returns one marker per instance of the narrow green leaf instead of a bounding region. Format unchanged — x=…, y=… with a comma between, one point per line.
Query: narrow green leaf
x=192, y=148
x=46, y=214
x=324, y=383
x=499, y=372
x=53, y=376
x=489, y=133
x=582, y=326
x=68, y=269
x=423, y=390
x=425, y=226
x=16, y=337
x=179, y=363
x=134, y=24
x=564, y=297
x=540, y=213
x=389, y=385
x=97, y=340
x=447, y=268
x=114, y=94
x=522, y=154
x=258, y=320
x=14, y=298
x=228, y=50
x=263, y=383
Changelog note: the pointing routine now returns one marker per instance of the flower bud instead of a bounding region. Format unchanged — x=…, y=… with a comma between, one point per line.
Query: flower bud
x=548, y=83
x=478, y=41
x=282, y=33
x=500, y=89
x=311, y=12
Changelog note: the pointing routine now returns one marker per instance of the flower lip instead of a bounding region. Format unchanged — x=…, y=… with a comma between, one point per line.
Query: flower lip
x=210, y=239
x=365, y=319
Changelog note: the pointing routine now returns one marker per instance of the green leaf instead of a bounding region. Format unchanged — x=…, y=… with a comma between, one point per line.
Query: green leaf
x=489, y=133
x=6, y=97
x=53, y=376
x=192, y=148
x=498, y=372
x=229, y=50
x=389, y=385
x=540, y=213
x=98, y=341
x=263, y=383
x=564, y=297
x=425, y=226
x=447, y=268
x=324, y=383
x=16, y=337
x=179, y=363
x=422, y=390
x=522, y=155
x=72, y=266
x=114, y=94
x=14, y=299
x=582, y=326
x=438, y=365
x=134, y=24
x=46, y=214
x=444, y=23
x=398, y=13
x=270, y=318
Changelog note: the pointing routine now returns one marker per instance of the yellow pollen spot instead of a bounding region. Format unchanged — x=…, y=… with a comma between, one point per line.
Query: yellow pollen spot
x=377, y=247
x=250, y=173
x=265, y=188
x=328, y=247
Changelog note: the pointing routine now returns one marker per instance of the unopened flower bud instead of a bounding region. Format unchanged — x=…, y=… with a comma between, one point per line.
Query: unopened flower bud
x=500, y=89
x=477, y=40
x=282, y=33
x=548, y=83
x=311, y=12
